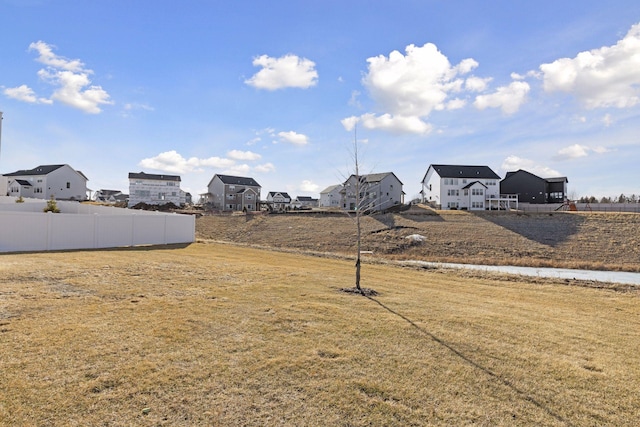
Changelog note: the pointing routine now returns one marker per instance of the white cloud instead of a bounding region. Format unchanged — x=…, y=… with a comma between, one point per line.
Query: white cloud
x=389, y=123
x=456, y=104
x=604, y=77
x=243, y=155
x=309, y=186
x=476, y=84
x=265, y=168
x=508, y=98
x=408, y=87
x=513, y=163
x=241, y=170
x=294, y=138
x=607, y=120
x=25, y=94
x=576, y=151
x=349, y=123
x=71, y=79
x=414, y=84
x=136, y=106
x=172, y=161
x=286, y=71
x=52, y=60
x=573, y=152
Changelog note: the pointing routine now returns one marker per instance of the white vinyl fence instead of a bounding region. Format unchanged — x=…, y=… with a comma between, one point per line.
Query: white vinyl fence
x=25, y=227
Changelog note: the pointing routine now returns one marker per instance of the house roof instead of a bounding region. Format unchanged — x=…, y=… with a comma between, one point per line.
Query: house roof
x=471, y=184
x=43, y=170
x=142, y=175
x=459, y=171
x=330, y=188
x=522, y=171
x=237, y=180
x=282, y=193
x=305, y=199
x=109, y=192
x=39, y=170
x=377, y=177
x=23, y=182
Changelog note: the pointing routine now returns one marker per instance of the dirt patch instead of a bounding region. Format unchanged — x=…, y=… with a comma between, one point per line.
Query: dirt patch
x=601, y=241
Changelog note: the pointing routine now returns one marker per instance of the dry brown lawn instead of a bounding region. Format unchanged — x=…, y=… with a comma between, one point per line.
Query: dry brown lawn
x=218, y=334
x=598, y=241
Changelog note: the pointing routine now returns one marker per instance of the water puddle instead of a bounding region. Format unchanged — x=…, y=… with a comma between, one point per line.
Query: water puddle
x=561, y=273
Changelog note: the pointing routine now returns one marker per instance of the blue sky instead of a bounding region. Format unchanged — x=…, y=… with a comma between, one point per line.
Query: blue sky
x=273, y=89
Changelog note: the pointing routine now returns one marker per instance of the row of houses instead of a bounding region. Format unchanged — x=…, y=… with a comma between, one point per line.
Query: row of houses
x=443, y=186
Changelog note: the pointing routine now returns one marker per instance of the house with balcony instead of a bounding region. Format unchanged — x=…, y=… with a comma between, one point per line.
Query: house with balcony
x=531, y=188
x=154, y=189
x=61, y=182
x=232, y=193
x=461, y=187
x=378, y=192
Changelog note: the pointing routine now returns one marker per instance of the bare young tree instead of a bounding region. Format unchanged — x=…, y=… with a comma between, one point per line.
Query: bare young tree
x=363, y=204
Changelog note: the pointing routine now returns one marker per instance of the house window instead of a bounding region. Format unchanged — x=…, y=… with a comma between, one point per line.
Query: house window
x=466, y=191
x=453, y=192
x=249, y=196
x=230, y=207
x=232, y=188
x=68, y=184
x=452, y=205
x=477, y=191
x=477, y=205
x=230, y=196
x=171, y=184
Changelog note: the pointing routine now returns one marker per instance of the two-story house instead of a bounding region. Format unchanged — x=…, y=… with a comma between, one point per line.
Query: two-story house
x=154, y=189
x=304, y=202
x=233, y=193
x=531, y=188
x=110, y=196
x=460, y=187
x=330, y=196
x=61, y=182
x=378, y=191
x=278, y=200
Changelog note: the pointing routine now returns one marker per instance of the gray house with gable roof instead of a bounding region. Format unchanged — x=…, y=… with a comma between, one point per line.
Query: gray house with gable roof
x=232, y=193
x=378, y=191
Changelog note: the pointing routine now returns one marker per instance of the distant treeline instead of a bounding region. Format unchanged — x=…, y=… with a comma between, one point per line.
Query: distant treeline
x=620, y=199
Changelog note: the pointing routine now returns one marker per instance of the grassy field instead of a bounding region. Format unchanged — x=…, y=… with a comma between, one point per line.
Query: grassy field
x=217, y=334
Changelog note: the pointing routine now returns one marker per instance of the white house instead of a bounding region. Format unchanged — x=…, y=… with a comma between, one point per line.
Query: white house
x=232, y=193
x=304, y=202
x=61, y=182
x=378, y=191
x=330, y=196
x=110, y=196
x=155, y=189
x=460, y=187
x=278, y=200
